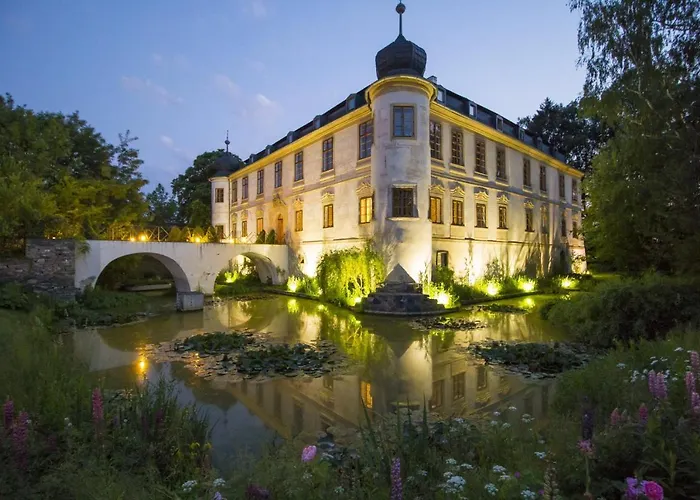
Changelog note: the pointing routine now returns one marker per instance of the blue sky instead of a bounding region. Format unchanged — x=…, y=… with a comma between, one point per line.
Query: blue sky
x=179, y=73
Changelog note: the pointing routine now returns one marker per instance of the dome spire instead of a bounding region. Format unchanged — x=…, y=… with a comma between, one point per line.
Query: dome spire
x=227, y=142
x=400, y=9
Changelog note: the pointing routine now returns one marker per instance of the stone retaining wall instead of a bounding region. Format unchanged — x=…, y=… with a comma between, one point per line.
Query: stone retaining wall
x=48, y=267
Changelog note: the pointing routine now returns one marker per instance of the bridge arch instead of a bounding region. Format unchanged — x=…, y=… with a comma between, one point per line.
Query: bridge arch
x=267, y=271
x=182, y=284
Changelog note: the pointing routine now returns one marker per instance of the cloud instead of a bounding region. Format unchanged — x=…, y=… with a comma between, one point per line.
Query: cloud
x=264, y=101
x=136, y=84
x=169, y=143
x=258, y=8
x=226, y=85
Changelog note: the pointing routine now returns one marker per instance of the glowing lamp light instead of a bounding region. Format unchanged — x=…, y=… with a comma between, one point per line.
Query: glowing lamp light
x=567, y=283
x=443, y=298
x=493, y=289
x=292, y=284
x=527, y=286
x=357, y=300
x=142, y=366
x=529, y=303
x=132, y=239
x=143, y=237
x=197, y=239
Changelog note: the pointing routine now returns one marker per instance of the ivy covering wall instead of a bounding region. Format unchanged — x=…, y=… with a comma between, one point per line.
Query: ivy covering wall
x=346, y=276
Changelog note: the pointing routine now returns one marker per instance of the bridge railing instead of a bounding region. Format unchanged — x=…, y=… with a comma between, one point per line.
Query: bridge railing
x=175, y=235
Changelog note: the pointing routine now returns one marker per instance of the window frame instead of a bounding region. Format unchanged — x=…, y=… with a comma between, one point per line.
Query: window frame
x=234, y=192
x=259, y=225
x=563, y=227
x=244, y=229
x=529, y=220
x=402, y=108
x=435, y=139
x=435, y=214
x=527, y=172
x=406, y=208
x=457, y=142
x=562, y=186
x=327, y=215
x=260, y=182
x=574, y=191
x=502, y=216
x=299, y=166
x=298, y=220
x=484, y=206
x=501, y=163
x=480, y=141
x=327, y=155
x=459, y=220
x=278, y=174
x=439, y=258
x=217, y=192
x=368, y=210
x=244, y=188
x=543, y=178
x=366, y=139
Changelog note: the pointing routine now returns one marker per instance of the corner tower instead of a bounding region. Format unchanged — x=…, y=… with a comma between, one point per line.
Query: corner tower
x=400, y=102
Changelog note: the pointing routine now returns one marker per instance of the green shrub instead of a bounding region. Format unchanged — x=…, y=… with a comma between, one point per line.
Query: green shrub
x=260, y=238
x=271, y=238
x=97, y=299
x=347, y=275
x=14, y=296
x=628, y=310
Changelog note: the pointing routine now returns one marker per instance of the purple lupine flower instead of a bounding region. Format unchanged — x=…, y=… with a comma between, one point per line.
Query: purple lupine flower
x=586, y=447
x=308, y=453
x=615, y=418
x=694, y=399
x=634, y=489
x=695, y=362
x=690, y=383
x=661, y=390
x=9, y=414
x=19, y=439
x=643, y=414
x=653, y=491
x=97, y=407
x=651, y=379
x=396, y=486
x=254, y=492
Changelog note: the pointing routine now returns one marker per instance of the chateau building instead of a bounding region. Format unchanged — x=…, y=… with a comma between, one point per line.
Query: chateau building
x=431, y=177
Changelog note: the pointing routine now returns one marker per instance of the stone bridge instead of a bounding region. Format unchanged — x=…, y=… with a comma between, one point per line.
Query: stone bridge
x=194, y=266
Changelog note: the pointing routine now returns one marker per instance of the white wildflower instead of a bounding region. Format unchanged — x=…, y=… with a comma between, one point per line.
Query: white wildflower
x=459, y=420
x=455, y=484
x=505, y=425
x=410, y=479
x=491, y=489
x=678, y=349
x=528, y=494
x=621, y=365
x=451, y=461
x=653, y=362
x=447, y=474
x=498, y=469
x=307, y=476
x=674, y=379
x=504, y=477
x=541, y=454
x=188, y=485
x=466, y=466
x=526, y=418
x=423, y=472
x=339, y=490
x=218, y=482
x=512, y=408
x=497, y=414
x=494, y=423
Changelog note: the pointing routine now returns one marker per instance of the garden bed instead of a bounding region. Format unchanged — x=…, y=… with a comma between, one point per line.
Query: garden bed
x=246, y=354
x=444, y=323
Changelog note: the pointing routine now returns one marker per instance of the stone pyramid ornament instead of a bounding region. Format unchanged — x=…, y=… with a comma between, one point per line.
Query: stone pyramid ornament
x=399, y=275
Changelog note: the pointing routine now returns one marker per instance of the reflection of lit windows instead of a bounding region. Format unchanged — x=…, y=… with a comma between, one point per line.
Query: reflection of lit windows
x=482, y=380
x=259, y=394
x=438, y=394
x=298, y=417
x=328, y=382
x=277, y=404
x=457, y=212
x=244, y=387
x=325, y=423
x=544, y=404
x=528, y=407
x=259, y=225
x=436, y=140
x=458, y=386
x=366, y=394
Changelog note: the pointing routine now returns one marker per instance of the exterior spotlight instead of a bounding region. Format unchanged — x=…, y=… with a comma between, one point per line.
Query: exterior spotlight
x=567, y=283
x=143, y=237
x=197, y=239
x=527, y=286
x=493, y=289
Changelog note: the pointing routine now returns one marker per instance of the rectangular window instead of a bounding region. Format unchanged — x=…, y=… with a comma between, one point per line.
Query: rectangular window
x=457, y=212
x=328, y=215
x=563, y=226
x=402, y=199
x=366, y=210
x=436, y=140
x=574, y=191
x=259, y=225
x=233, y=234
x=562, y=186
x=544, y=218
x=502, y=217
x=234, y=192
x=480, y=156
x=527, y=173
x=278, y=174
x=435, y=212
x=299, y=166
x=481, y=215
x=458, y=386
x=501, y=163
x=244, y=229
x=438, y=394
x=219, y=231
x=529, y=226
x=442, y=258
x=366, y=137
x=299, y=220
x=457, y=147
x=574, y=229
x=244, y=188
x=261, y=182
x=404, y=121
x=219, y=194
x=543, y=178
x=327, y=155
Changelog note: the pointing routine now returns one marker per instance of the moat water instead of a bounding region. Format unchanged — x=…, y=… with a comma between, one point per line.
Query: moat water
x=396, y=364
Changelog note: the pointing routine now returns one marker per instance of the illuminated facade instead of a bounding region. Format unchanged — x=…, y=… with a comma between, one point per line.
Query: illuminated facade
x=430, y=176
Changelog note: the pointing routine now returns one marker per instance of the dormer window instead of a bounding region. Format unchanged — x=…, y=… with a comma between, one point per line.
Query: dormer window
x=499, y=123
x=472, y=109
x=441, y=95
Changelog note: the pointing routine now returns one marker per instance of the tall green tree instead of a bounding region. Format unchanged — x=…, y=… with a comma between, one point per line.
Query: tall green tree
x=192, y=190
x=643, y=78
x=566, y=127
x=162, y=208
x=62, y=178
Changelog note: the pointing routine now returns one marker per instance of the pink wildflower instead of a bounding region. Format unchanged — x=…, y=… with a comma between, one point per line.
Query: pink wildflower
x=634, y=489
x=643, y=414
x=653, y=491
x=19, y=439
x=615, y=417
x=694, y=400
x=97, y=407
x=690, y=383
x=651, y=380
x=661, y=391
x=695, y=362
x=586, y=447
x=9, y=414
x=308, y=453
x=396, y=486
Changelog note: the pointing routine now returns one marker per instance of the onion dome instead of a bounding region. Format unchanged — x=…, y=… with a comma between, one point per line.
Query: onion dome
x=401, y=57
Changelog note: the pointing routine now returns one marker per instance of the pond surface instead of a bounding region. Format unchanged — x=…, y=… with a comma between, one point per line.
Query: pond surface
x=396, y=365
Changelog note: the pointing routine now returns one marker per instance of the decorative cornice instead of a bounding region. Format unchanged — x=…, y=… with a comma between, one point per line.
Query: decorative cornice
x=502, y=198
x=234, y=217
x=404, y=81
x=529, y=204
x=244, y=215
x=481, y=194
x=259, y=212
x=457, y=191
x=328, y=197
x=277, y=201
x=364, y=189
x=436, y=189
x=298, y=203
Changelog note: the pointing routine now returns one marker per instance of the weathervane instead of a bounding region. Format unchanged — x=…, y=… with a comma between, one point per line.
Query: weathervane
x=227, y=142
x=400, y=8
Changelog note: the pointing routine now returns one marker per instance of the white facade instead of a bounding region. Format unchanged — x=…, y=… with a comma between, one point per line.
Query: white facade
x=414, y=241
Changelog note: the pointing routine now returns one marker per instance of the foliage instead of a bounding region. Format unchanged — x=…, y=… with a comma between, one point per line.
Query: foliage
x=502, y=308
x=569, y=130
x=62, y=178
x=643, y=78
x=284, y=359
x=96, y=299
x=628, y=311
x=162, y=208
x=192, y=189
x=260, y=238
x=78, y=439
x=441, y=293
x=14, y=296
x=215, y=342
x=555, y=357
x=348, y=275
x=271, y=238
